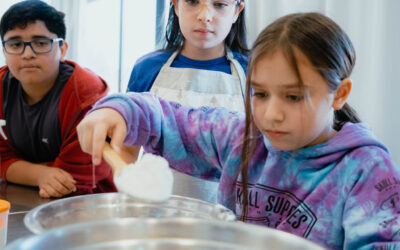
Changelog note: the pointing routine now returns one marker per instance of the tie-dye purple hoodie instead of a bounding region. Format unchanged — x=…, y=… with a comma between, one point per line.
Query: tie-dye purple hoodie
x=344, y=193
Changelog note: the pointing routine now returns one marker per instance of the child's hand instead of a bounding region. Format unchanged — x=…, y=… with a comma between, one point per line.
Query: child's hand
x=95, y=127
x=55, y=182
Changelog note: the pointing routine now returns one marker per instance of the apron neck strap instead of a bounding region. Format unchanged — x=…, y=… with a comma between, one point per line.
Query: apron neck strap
x=236, y=68
x=172, y=58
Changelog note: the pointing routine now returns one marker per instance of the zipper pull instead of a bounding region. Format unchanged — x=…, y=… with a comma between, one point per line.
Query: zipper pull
x=3, y=123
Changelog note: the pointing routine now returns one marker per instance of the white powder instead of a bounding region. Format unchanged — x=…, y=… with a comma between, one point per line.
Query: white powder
x=149, y=179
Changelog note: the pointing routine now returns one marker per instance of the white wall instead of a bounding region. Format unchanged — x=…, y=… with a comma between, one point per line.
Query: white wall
x=96, y=36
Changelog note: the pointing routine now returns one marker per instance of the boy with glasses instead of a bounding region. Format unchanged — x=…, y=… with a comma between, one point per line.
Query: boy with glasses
x=42, y=99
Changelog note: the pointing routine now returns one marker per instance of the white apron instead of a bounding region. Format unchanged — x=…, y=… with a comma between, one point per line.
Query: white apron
x=196, y=88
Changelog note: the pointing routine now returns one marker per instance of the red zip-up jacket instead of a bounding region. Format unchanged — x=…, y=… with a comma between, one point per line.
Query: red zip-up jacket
x=81, y=91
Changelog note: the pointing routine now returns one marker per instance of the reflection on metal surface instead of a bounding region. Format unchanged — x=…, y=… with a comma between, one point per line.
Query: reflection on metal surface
x=22, y=198
x=186, y=185
x=96, y=207
x=16, y=227
x=163, y=233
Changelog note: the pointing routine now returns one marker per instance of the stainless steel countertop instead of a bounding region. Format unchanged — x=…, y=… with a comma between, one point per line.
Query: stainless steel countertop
x=22, y=199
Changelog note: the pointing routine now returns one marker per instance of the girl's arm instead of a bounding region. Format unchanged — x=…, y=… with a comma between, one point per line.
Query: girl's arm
x=194, y=141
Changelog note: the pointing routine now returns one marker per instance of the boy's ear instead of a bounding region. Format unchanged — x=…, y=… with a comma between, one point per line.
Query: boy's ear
x=175, y=3
x=341, y=94
x=64, y=49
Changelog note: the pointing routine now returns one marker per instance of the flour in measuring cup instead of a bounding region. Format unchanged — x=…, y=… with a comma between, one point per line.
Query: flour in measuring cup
x=149, y=179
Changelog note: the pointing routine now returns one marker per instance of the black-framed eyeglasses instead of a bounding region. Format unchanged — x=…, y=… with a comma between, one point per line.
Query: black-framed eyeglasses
x=38, y=45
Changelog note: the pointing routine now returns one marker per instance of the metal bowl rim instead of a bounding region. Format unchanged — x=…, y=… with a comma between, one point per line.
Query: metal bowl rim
x=34, y=226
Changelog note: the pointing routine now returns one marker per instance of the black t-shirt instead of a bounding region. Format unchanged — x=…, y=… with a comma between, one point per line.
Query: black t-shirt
x=34, y=130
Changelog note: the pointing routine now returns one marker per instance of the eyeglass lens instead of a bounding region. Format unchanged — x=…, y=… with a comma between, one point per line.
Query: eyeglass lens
x=38, y=46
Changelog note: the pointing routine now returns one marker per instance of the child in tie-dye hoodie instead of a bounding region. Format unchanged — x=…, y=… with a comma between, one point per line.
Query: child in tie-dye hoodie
x=299, y=161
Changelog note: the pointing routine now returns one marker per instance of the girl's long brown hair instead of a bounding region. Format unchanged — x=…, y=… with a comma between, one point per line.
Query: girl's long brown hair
x=325, y=45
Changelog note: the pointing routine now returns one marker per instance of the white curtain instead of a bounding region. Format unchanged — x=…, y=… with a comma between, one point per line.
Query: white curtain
x=373, y=28
x=71, y=10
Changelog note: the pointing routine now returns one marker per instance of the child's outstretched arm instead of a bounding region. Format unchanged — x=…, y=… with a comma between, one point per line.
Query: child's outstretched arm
x=198, y=142
x=96, y=127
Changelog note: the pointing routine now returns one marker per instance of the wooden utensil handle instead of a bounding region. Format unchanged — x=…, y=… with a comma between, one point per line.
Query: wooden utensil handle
x=113, y=158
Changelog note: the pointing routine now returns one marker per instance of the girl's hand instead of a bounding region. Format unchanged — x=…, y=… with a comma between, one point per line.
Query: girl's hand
x=55, y=182
x=95, y=127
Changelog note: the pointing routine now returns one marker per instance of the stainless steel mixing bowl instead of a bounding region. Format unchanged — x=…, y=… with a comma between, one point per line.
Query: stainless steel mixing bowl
x=118, y=205
x=163, y=233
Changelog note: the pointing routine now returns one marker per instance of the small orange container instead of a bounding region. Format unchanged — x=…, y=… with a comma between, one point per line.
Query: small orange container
x=4, y=210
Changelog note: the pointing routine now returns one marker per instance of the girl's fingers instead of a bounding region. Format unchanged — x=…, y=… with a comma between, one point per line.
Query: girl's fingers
x=92, y=132
x=118, y=136
x=85, y=135
x=95, y=127
x=98, y=140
